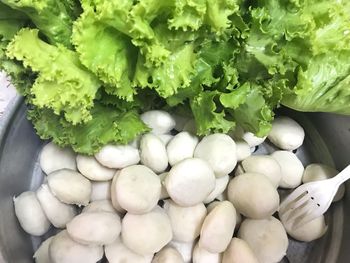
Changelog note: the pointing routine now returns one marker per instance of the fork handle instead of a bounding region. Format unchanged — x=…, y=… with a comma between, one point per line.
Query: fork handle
x=342, y=176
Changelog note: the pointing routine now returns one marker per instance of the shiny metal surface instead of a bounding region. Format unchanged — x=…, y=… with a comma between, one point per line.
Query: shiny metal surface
x=327, y=136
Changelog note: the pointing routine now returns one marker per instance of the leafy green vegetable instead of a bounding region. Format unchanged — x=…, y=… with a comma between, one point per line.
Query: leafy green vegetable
x=63, y=85
x=53, y=18
x=88, y=68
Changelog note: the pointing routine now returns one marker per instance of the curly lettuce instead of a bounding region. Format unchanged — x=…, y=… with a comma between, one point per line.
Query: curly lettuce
x=63, y=84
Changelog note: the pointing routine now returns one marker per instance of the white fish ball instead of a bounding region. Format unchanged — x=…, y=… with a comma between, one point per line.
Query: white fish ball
x=253, y=195
x=153, y=153
x=63, y=249
x=306, y=232
x=118, y=156
x=53, y=158
x=266, y=237
x=238, y=252
x=159, y=121
x=218, y=227
x=181, y=147
x=186, y=222
x=242, y=150
x=30, y=214
x=286, y=133
x=219, y=150
x=93, y=170
x=201, y=255
x=58, y=213
x=117, y=252
x=263, y=164
x=42, y=255
x=138, y=189
x=70, y=187
x=148, y=233
x=291, y=168
x=252, y=139
x=190, y=181
x=95, y=228
x=168, y=255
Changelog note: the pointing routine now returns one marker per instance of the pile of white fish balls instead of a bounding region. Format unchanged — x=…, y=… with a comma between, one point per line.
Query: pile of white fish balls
x=171, y=197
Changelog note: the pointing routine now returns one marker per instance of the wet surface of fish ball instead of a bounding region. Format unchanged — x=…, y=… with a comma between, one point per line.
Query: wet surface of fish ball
x=306, y=232
x=190, y=181
x=168, y=255
x=253, y=195
x=58, y=213
x=53, y=158
x=316, y=172
x=95, y=228
x=220, y=186
x=70, y=187
x=118, y=156
x=93, y=170
x=291, y=168
x=186, y=222
x=30, y=214
x=181, y=147
x=286, y=133
x=266, y=237
x=219, y=150
x=100, y=190
x=239, y=251
x=117, y=252
x=242, y=150
x=63, y=249
x=148, y=233
x=138, y=189
x=42, y=255
x=99, y=206
x=218, y=227
x=263, y=164
x=153, y=153
x=253, y=140
x=201, y=255
x=160, y=122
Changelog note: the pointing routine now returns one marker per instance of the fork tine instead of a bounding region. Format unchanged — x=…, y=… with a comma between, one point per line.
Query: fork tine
x=300, y=212
x=306, y=218
x=298, y=202
x=297, y=193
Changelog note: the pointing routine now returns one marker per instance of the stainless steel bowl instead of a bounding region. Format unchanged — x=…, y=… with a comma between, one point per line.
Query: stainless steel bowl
x=327, y=141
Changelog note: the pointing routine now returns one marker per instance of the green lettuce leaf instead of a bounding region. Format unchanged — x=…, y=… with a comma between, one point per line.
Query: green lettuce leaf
x=63, y=84
x=111, y=57
x=107, y=125
x=323, y=86
x=53, y=18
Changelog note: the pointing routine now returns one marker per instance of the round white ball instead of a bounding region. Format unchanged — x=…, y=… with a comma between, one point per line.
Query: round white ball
x=137, y=189
x=219, y=150
x=286, y=133
x=190, y=181
x=266, y=237
x=148, y=233
x=291, y=168
x=153, y=153
x=93, y=170
x=253, y=195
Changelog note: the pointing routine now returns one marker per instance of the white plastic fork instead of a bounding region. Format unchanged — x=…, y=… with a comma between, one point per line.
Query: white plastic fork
x=311, y=200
